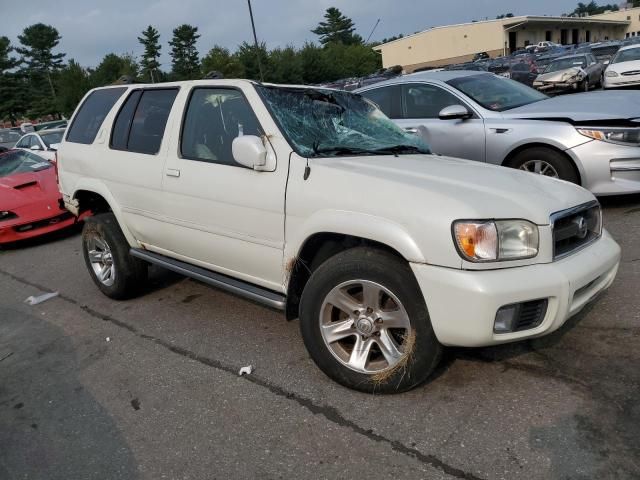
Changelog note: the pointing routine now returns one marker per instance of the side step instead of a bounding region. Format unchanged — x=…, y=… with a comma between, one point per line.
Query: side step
x=240, y=288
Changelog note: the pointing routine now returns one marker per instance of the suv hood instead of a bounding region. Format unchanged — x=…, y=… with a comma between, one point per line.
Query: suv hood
x=583, y=107
x=411, y=185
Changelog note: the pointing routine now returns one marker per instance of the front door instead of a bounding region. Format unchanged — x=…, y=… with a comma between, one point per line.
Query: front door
x=422, y=104
x=221, y=215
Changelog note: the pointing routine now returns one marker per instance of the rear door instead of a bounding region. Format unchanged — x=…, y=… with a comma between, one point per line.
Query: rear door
x=421, y=105
x=136, y=158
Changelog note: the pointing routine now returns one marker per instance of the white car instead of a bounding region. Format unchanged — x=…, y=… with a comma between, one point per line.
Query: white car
x=624, y=68
x=312, y=201
x=44, y=143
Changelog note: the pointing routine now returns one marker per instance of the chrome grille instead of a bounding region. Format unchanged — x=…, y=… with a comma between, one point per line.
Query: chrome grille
x=575, y=228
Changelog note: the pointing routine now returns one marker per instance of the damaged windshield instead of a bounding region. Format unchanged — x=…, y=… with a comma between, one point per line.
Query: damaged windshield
x=321, y=123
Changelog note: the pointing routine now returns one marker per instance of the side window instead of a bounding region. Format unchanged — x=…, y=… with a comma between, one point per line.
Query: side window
x=122, y=125
x=150, y=120
x=387, y=99
x=214, y=117
x=426, y=101
x=23, y=143
x=91, y=114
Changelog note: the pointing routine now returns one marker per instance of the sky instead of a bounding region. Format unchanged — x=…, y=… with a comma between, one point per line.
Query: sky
x=90, y=29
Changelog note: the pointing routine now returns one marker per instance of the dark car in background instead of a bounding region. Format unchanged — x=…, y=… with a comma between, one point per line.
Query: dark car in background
x=604, y=52
x=524, y=73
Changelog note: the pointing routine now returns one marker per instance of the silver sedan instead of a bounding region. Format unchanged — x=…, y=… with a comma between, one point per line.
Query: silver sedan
x=592, y=139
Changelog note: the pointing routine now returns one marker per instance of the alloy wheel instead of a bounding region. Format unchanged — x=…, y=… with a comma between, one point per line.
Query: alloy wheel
x=101, y=259
x=365, y=326
x=540, y=167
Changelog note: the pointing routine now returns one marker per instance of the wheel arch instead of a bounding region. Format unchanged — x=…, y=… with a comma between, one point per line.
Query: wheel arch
x=316, y=249
x=508, y=160
x=97, y=198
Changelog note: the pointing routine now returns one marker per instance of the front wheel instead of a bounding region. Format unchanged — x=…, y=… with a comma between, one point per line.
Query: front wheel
x=547, y=162
x=365, y=323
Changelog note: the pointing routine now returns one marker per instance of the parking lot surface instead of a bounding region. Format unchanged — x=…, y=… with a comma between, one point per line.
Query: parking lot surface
x=149, y=388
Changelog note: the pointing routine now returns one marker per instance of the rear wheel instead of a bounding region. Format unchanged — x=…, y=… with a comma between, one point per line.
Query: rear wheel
x=547, y=162
x=365, y=323
x=106, y=253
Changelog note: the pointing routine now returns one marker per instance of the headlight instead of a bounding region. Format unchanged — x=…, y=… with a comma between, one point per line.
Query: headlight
x=610, y=73
x=495, y=241
x=6, y=215
x=620, y=135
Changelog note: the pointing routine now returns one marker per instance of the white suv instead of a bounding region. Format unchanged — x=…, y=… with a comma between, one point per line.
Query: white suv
x=311, y=201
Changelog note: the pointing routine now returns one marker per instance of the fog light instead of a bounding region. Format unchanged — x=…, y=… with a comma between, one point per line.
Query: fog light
x=505, y=319
x=520, y=316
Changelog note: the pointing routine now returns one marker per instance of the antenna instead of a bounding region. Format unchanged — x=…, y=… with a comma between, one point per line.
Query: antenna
x=372, y=30
x=255, y=39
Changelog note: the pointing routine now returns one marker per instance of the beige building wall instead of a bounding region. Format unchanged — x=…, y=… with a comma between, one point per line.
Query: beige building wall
x=631, y=15
x=447, y=45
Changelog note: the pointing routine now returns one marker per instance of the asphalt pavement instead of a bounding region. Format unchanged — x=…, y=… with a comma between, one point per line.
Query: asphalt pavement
x=92, y=388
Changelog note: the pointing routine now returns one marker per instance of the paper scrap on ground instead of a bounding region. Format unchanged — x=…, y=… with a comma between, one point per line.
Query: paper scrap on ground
x=248, y=369
x=40, y=298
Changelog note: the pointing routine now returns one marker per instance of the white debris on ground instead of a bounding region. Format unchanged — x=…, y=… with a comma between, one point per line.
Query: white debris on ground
x=108, y=339
x=35, y=300
x=246, y=370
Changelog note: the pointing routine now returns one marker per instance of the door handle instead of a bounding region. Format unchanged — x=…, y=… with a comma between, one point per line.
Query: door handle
x=411, y=130
x=173, y=172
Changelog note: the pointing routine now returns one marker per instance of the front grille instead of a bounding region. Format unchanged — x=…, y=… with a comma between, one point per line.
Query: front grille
x=530, y=314
x=632, y=72
x=575, y=228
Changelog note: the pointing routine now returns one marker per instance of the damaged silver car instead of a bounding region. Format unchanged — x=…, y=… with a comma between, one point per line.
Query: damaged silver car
x=571, y=74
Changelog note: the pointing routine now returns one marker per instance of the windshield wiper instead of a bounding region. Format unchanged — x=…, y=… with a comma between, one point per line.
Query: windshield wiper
x=398, y=149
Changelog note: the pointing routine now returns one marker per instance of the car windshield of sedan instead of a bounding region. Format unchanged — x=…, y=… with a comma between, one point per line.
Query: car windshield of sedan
x=496, y=93
x=9, y=136
x=630, y=55
x=566, y=63
x=51, y=138
x=20, y=161
x=327, y=123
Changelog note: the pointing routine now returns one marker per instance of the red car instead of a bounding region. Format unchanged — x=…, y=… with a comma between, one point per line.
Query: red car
x=30, y=203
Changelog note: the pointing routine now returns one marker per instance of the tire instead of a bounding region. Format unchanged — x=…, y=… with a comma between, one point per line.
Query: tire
x=106, y=251
x=414, y=349
x=546, y=161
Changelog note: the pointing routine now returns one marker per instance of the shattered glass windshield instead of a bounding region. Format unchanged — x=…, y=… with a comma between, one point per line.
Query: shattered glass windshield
x=327, y=123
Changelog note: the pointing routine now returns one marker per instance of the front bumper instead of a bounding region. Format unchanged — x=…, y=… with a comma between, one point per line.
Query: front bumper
x=556, y=87
x=621, y=81
x=607, y=168
x=22, y=230
x=463, y=304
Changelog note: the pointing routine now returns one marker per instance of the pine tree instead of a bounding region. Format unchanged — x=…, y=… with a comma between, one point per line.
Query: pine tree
x=184, y=54
x=149, y=62
x=40, y=65
x=13, y=87
x=337, y=29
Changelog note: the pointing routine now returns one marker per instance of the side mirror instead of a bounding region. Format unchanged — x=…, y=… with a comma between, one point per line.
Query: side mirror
x=249, y=151
x=36, y=148
x=454, y=112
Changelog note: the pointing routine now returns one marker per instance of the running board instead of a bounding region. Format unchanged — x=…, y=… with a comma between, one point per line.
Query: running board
x=238, y=287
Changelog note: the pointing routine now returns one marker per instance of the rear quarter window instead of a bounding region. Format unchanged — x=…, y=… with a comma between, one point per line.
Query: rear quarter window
x=91, y=114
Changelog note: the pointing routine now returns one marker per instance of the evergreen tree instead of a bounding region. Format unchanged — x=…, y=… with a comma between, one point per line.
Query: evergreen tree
x=184, y=54
x=220, y=60
x=112, y=67
x=248, y=57
x=73, y=83
x=152, y=47
x=13, y=87
x=336, y=29
x=40, y=65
